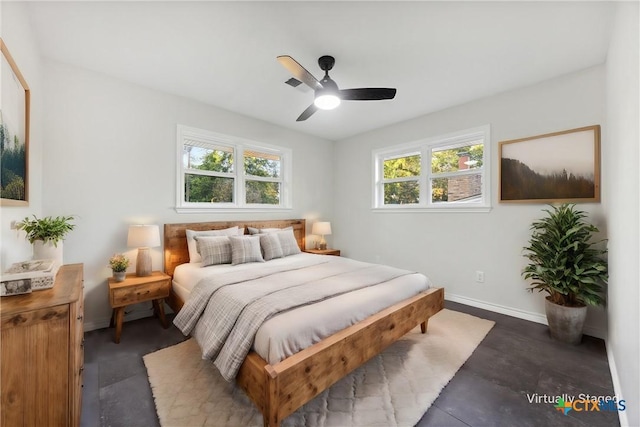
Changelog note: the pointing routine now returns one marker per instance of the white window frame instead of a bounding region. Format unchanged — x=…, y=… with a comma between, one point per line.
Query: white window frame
x=239, y=146
x=425, y=148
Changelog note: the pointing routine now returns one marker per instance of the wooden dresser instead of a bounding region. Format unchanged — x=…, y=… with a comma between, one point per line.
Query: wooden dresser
x=42, y=354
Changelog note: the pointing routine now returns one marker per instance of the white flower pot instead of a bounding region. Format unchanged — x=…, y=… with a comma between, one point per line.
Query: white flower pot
x=46, y=250
x=119, y=276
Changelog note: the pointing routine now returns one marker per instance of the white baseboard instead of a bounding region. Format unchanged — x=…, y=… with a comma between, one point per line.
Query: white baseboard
x=513, y=312
x=617, y=389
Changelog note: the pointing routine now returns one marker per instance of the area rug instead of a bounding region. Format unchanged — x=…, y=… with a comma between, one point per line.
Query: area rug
x=394, y=388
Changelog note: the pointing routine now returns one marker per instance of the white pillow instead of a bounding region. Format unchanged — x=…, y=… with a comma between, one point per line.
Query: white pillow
x=288, y=242
x=194, y=256
x=270, y=244
x=245, y=249
x=214, y=250
x=253, y=230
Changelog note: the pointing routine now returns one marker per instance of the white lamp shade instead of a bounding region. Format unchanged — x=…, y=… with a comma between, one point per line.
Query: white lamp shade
x=321, y=228
x=143, y=236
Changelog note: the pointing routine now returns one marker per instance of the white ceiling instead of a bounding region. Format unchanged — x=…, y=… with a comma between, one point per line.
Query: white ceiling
x=437, y=54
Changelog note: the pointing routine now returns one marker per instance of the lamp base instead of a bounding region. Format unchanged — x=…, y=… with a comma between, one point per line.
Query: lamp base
x=323, y=244
x=143, y=262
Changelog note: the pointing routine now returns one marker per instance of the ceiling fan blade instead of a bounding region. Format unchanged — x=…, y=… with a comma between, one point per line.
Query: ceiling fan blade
x=299, y=72
x=367, y=94
x=293, y=82
x=297, y=84
x=307, y=113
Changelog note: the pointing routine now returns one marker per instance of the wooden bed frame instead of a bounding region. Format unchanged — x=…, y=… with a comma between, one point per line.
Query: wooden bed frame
x=279, y=390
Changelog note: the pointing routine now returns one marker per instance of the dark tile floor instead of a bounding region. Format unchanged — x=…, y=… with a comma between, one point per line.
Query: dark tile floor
x=517, y=359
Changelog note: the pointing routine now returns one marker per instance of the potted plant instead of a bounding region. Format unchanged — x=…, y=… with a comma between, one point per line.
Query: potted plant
x=46, y=235
x=119, y=264
x=566, y=263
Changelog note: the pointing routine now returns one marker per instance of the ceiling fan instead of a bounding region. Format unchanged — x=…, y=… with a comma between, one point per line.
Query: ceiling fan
x=327, y=94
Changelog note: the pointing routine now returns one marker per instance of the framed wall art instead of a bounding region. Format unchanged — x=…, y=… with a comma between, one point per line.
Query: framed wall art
x=555, y=167
x=14, y=133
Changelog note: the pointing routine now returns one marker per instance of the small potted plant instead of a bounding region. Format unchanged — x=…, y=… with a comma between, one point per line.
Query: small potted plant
x=567, y=264
x=46, y=235
x=119, y=264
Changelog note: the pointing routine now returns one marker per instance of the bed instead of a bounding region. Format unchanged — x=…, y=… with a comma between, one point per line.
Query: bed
x=281, y=387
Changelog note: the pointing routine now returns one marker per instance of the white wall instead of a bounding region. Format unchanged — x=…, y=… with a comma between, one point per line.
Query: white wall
x=450, y=247
x=622, y=190
x=18, y=37
x=110, y=160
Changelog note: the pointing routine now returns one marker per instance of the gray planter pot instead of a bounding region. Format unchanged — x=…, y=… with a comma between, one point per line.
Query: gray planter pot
x=565, y=323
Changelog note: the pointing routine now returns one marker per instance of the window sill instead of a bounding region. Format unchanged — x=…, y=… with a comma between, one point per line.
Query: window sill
x=234, y=209
x=422, y=209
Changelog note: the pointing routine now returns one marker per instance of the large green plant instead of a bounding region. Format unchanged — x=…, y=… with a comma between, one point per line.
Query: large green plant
x=564, y=261
x=47, y=229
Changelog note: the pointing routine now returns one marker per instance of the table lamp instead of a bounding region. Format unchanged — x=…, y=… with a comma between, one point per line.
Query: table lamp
x=143, y=237
x=322, y=229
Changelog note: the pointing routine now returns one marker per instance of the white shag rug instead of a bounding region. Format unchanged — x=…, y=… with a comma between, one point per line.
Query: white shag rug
x=394, y=388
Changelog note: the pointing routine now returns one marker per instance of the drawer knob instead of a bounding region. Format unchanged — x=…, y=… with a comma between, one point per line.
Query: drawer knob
x=80, y=317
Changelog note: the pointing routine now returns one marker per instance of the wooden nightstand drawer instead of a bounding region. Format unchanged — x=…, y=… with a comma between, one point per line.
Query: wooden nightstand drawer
x=139, y=293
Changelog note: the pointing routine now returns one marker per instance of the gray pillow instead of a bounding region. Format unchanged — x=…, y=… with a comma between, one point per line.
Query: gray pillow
x=245, y=249
x=194, y=256
x=270, y=244
x=214, y=250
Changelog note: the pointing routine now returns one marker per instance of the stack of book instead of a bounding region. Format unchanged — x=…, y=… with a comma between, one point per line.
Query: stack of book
x=27, y=276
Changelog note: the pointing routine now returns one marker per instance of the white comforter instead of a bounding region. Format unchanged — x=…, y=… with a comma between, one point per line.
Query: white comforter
x=290, y=331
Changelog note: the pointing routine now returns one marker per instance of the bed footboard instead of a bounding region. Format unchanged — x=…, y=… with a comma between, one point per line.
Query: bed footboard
x=279, y=390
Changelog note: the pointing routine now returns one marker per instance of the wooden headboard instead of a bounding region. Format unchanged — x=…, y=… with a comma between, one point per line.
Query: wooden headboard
x=175, y=238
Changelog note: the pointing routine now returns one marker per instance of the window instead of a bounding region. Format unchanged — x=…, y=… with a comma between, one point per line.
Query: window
x=223, y=172
x=447, y=172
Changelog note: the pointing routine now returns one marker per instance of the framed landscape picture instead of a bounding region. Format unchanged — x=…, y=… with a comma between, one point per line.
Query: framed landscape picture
x=556, y=167
x=14, y=133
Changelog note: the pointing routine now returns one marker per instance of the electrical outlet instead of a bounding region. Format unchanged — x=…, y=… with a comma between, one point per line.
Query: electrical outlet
x=480, y=276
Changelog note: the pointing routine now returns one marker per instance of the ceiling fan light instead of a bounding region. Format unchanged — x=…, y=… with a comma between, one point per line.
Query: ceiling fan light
x=327, y=101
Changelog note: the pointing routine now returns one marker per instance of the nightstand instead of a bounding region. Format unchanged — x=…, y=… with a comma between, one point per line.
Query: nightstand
x=134, y=290
x=335, y=252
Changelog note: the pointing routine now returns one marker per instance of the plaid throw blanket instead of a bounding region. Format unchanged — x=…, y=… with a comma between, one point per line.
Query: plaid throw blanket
x=225, y=311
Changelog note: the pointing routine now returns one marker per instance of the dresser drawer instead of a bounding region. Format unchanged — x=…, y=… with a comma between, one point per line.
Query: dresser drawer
x=139, y=293
x=29, y=318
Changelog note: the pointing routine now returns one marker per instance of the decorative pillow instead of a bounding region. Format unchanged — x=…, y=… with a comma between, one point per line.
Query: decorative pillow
x=194, y=256
x=245, y=249
x=288, y=242
x=270, y=244
x=214, y=250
